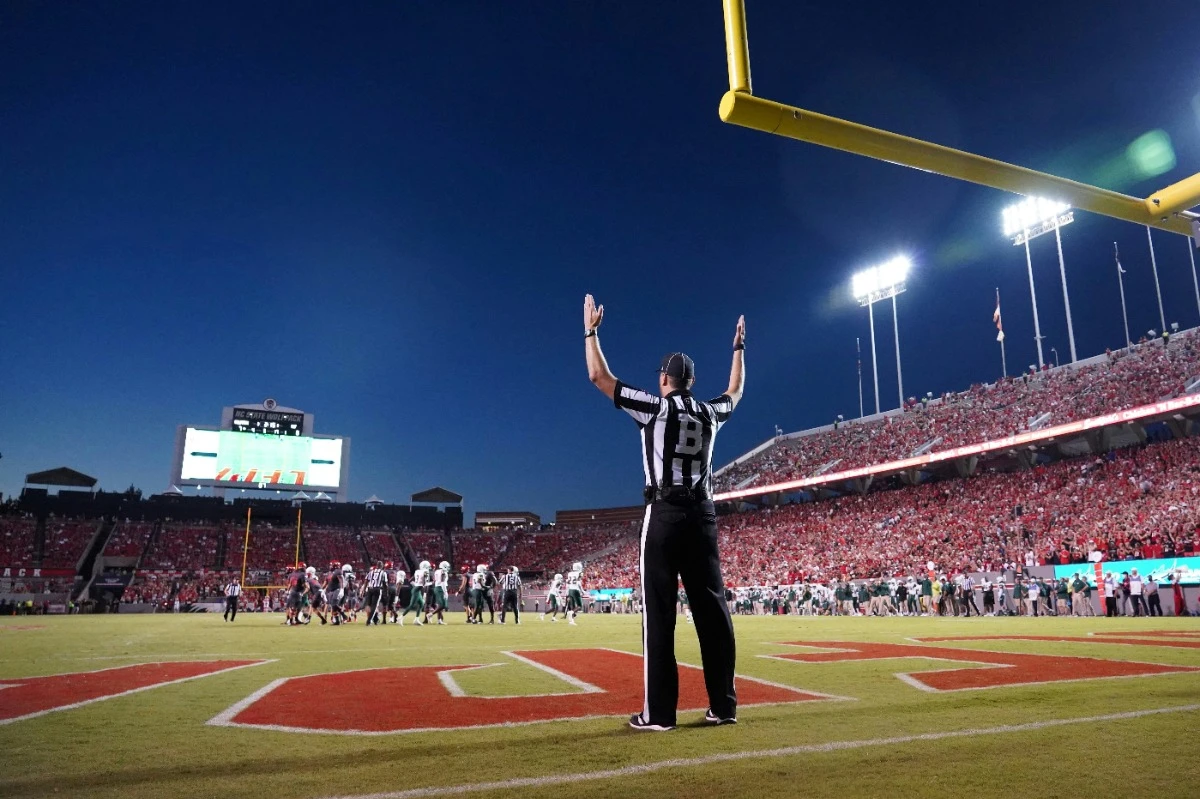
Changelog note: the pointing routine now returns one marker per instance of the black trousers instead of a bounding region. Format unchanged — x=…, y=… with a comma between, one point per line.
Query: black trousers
x=231, y=604
x=1153, y=605
x=680, y=541
x=374, y=603
x=1110, y=606
x=510, y=603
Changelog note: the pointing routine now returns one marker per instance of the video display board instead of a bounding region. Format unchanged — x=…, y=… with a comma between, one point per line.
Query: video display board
x=216, y=457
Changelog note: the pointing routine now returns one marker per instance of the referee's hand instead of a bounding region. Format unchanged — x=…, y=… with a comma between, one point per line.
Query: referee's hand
x=739, y=335
x=593, y=315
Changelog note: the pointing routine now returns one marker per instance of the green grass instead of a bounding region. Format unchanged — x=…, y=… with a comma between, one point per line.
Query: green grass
x=156, y=743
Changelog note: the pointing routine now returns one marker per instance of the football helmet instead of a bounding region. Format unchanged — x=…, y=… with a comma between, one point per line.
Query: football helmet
x=310, y=571
x=558, y=577
x=444, y=565
x=576, y=566
x=400, y=575
x=387, y=564
x=346, y=567
x=424, y=565
x=481, y=568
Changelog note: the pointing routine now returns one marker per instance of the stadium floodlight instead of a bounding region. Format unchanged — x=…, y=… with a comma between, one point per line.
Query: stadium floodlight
x=1027, y=220
x=879, y=283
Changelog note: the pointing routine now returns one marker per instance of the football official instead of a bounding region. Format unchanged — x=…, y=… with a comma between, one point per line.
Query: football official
x=376, y=588
x=511, y=585
x=233, y=592
x=679, y=532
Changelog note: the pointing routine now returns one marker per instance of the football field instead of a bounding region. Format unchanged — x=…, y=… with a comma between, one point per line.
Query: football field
x=189, y=706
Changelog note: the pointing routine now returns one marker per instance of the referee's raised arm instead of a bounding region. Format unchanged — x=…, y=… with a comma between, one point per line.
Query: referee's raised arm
x=737, y=372
x=598, y=371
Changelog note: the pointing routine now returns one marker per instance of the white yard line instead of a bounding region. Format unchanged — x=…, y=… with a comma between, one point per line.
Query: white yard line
x=73, y=705
x=755, y=754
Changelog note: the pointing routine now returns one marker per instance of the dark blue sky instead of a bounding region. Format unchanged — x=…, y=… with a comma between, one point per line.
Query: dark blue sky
x=388, y=214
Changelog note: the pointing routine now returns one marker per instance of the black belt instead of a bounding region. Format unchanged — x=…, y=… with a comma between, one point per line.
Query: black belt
x=676, y=495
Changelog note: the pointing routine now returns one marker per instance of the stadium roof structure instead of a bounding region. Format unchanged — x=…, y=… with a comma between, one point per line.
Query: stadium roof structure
x=586, y=516
x=62, y=476
x=506, y=517
x=437, y=496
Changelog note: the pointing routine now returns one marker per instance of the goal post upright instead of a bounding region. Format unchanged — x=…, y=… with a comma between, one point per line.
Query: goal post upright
x=1165, y=209
x=246, y=545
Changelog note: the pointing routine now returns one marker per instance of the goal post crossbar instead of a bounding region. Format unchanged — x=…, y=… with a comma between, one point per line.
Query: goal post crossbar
x=1166, y=209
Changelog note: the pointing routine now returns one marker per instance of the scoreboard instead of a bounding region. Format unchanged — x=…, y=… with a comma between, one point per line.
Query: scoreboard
x=273, y=423
x=261, y=446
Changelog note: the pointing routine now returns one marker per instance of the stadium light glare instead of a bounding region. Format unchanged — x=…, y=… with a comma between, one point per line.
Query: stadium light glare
x=1031, y=213
x=879, y=279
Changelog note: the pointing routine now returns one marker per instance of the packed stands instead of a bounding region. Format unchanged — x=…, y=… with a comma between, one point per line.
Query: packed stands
x=66, y=541
x=381, y=545
x=1136, y=502
x=17, y=540
x=556, y=550
x=180, y=546
x=472, y=547
x=128, y=539
x=428, y=545
x=325, y=544
x=1140, y=375
x=271, y=546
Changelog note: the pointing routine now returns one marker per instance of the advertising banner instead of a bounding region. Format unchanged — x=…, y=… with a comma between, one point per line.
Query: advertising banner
x=1161, y=569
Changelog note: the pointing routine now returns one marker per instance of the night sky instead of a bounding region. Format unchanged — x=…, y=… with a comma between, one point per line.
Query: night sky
x=388, y=213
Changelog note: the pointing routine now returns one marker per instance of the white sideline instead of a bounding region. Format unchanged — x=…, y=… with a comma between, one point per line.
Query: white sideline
x=727, y=757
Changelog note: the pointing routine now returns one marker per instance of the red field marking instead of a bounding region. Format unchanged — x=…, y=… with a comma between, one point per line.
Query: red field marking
x=605, y=682
x=28, y=697
x=1002, y=669
x=1098, y=638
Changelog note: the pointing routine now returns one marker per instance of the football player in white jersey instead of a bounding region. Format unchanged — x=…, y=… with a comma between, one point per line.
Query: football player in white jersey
x=552, y=603
x=477, y=594
x=437, y=600
x=416, y=602
x=574, y=591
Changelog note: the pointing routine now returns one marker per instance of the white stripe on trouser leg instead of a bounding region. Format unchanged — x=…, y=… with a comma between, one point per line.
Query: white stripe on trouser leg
x=645, y=622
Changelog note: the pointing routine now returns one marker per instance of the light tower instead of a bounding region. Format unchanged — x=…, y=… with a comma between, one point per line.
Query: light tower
x=879, y=283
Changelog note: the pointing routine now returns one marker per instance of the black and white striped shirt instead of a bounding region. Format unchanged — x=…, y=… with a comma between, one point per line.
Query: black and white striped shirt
x=510, y=581
x=233, y=590
x=376, y=578
x=678, y=432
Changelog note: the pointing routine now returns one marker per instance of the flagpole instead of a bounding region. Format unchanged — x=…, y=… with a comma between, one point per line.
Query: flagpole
x=1162, y=317
x=1000, y=336
x=858, y=350
x=1121, y=283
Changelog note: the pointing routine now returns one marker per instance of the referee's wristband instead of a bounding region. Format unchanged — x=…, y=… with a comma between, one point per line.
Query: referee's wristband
x=739, y=347
x=590, y=333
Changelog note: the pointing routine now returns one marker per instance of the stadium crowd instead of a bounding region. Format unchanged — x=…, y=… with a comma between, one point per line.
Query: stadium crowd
x=1130, y=503
x=1142, y=374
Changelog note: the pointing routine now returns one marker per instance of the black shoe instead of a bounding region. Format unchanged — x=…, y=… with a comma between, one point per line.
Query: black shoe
x=635, y=721
x=715, y=720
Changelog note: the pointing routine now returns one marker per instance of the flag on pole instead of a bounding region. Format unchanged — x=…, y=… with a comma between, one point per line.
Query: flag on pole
x=996, y=319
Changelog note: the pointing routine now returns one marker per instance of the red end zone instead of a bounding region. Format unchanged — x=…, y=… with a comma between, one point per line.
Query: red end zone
x=597, y=682
x=1006, y=668
x=37, y=696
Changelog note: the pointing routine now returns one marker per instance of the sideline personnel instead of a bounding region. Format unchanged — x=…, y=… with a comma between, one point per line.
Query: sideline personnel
x=679, y=532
